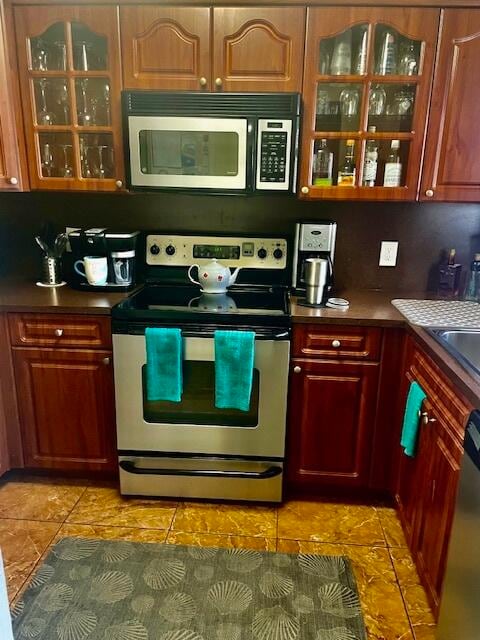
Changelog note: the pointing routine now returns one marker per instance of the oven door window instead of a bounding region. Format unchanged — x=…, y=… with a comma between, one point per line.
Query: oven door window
x=191, y=152
x=197, y=406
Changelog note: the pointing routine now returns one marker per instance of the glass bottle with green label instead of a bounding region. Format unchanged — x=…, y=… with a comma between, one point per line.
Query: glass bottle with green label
x=323, y=166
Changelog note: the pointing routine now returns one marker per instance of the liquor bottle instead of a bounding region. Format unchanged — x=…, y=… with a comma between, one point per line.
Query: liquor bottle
x=323, y=166
x=393, y=166
x=472, y=289
x=342, y=56
x=361, y=61
x=370, y=163
x=387, y=63
x=346, y=172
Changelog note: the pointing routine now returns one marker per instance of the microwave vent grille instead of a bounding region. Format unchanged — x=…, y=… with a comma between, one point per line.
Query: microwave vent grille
x=275, y=105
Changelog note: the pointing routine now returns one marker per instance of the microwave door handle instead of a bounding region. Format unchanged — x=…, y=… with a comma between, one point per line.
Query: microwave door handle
x=252, y=133
x=270, y=472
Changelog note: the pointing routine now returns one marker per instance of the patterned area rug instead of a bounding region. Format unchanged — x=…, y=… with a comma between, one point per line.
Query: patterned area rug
x=110, y=590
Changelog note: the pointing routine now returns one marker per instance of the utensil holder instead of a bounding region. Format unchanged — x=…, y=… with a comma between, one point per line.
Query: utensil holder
x=51, y=271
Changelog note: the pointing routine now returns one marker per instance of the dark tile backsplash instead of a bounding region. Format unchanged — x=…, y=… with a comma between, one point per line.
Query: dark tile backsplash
x=423, y=230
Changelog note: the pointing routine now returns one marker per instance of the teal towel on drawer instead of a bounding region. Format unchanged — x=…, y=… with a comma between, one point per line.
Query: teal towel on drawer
x=164, y=364
x=411, y=420
x=234, y=354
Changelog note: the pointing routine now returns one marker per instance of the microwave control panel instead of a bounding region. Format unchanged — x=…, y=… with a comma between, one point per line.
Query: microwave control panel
x=183, y=251
x=274, y=145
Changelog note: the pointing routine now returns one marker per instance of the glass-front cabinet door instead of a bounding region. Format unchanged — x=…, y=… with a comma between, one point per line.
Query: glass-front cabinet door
x=368, y=74
x=70, y=80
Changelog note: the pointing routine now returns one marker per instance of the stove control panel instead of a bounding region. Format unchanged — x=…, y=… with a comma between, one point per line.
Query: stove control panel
x=183, y=251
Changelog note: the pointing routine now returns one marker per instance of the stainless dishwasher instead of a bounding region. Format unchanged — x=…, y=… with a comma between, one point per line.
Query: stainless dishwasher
x=460, y=607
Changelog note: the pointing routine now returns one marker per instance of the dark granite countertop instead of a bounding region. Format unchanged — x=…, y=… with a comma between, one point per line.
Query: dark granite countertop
x=367, y=307
x=18, y=294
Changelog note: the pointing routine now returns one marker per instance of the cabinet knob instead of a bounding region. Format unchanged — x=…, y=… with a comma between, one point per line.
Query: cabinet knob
x=422, y=414
x=218, y=82
x=203, y=81
x=429, y=193
x=305, y=190
x=118, y=184
x=297, y=369
x=13, y=180
x=59, y=333
x=427, y=420
x=106, y=361
x=336, y=344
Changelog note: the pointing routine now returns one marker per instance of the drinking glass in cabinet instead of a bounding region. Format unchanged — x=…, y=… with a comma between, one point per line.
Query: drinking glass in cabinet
x=93, y=101
x=345, y=53
x=338, y=106
x=56, y=155
x=395, y=54
x=391, y=107
x=48, y=51
x=89, y=49
x=96, y=155
x=52, y=101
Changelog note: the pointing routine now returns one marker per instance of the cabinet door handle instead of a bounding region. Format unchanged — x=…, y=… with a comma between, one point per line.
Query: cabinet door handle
x=305, y=190
x=336, y=344
x=106, y=361
x=59, y=333
x=13, y=180
x=422, y=414
x=297, y=369
x=203, y=81
x=218, y=82
x=118, y=184
x=429, y=193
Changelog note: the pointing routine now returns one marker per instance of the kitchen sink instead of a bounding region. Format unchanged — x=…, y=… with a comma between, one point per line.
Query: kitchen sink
x=462, y=344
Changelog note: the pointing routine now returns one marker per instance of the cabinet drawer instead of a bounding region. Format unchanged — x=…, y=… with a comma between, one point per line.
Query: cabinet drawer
x=337, y=341
x=57, y=330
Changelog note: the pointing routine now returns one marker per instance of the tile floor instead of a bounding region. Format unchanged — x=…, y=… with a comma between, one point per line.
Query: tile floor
x=35, y=512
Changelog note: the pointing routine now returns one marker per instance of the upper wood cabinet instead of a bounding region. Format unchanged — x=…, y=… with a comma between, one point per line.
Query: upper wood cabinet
x=69, y=68
x=197, y=48
x=452, y=166
x=10, y=174
x=258, y=48
x=366, y=89
x=165, y=47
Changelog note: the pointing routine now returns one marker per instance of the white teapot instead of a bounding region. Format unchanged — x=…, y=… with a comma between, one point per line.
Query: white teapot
x=214, y=277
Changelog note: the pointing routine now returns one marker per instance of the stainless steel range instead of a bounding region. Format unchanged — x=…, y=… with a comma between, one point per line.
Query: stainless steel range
x=191, y=448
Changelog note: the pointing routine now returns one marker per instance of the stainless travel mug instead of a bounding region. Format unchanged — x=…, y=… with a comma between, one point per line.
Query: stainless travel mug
x=316, y=275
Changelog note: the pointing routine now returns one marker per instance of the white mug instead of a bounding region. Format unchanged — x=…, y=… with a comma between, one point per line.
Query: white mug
x=95, y=269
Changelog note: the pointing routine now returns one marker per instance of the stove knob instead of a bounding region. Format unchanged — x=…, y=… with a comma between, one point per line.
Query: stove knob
x=155, y=249
x=262, y=253
x=170, y=250
x=278, y=254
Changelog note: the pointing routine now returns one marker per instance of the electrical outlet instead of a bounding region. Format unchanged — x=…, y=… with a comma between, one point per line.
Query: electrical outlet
x=388, y=254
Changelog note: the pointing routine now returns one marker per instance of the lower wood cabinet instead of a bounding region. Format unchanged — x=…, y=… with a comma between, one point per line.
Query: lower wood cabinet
x=427, y=483
x=332, y=407
x=66, y=408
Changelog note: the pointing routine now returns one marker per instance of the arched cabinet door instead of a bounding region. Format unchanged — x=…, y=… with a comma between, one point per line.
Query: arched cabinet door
x=165, y=48
x=258, y=49
x=451, y=169
x=366, y=91
x=69, y=68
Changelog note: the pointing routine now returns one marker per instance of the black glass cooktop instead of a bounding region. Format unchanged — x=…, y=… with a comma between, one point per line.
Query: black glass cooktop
x=188, y=303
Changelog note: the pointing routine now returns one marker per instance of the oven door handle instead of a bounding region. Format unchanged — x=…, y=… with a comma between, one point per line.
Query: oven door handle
x=271, y=472
x=283, y=335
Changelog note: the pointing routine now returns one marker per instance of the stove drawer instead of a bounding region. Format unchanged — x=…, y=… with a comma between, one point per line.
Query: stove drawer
x=337, y=342
x=212, y=478
x=59, y=330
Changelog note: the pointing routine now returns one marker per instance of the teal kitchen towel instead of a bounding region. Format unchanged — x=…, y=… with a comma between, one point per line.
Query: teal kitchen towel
x=411, y=419
x=164, y=364
x=234, y=355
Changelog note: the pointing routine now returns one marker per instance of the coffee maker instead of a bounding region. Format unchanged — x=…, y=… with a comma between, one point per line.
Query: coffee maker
x=313, y=240
x=119, y=248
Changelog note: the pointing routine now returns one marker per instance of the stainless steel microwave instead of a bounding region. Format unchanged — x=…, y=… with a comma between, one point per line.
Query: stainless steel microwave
x=211, y=142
